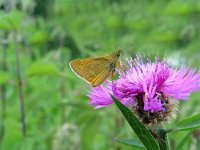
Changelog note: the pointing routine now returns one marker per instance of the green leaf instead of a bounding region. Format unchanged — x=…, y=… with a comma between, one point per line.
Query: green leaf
x=131, y=142
x=11, y=20
x=188, y=123
x=4, y=24
x=39, y=37
x=141, y=131
x=42, y=69
x=178, y=8
x=4, y=77
x=183, y=141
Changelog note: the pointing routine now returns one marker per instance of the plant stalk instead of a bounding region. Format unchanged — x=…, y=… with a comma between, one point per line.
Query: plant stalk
x=161, y=136
x=62, y=107
x=3, y=88
x=20, y=86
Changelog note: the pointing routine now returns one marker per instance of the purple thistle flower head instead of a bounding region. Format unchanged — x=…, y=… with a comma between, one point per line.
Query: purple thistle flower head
x=147, y=86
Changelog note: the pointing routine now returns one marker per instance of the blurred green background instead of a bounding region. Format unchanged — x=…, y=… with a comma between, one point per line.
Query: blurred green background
x=46, y=34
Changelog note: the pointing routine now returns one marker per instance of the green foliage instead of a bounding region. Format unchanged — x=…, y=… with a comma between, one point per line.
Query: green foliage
x=39, y=38
x=11, y=20
x=139, y=128
x=4, y=77
x=131, y=142
x=188, y=123
x=183, y=141
x=42, y=69
x=50, y=33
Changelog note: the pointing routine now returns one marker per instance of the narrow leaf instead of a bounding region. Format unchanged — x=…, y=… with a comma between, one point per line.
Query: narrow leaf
x=183, y=141
x=141, y=131
x=131, y=142
x=188, y=123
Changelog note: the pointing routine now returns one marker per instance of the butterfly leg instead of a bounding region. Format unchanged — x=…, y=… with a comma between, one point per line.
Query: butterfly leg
x=112, y=75
x=123, y=65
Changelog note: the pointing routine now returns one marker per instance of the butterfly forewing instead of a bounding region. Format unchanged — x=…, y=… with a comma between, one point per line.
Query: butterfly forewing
x=100, y=78
x=78, y=64
x=93, y=70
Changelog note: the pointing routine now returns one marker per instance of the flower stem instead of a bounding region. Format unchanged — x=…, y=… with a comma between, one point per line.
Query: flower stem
x=162, y=138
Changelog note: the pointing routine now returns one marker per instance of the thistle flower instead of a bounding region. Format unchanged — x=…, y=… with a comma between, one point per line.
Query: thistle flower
x=149, y=88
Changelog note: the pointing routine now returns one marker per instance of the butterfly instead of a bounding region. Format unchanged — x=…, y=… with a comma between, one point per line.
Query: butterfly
x=96, y=70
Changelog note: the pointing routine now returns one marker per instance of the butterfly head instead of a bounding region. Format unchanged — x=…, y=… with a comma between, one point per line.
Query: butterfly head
x=118, y=53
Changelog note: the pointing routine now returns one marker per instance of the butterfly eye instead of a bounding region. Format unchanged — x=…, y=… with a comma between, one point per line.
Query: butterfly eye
x=118, y=53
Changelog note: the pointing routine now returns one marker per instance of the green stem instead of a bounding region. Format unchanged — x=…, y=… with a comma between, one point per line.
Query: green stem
x=198, y=144
x=20, y=86
x=162, y=139
x=3, y=88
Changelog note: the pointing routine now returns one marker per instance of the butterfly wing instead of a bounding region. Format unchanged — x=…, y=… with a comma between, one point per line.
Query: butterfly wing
x=101, y=78
x=97, y=73
x=93, y=70
x=77, y=66
x=107, y=70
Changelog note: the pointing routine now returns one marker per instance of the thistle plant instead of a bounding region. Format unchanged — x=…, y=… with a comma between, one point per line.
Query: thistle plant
x=148, y=93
